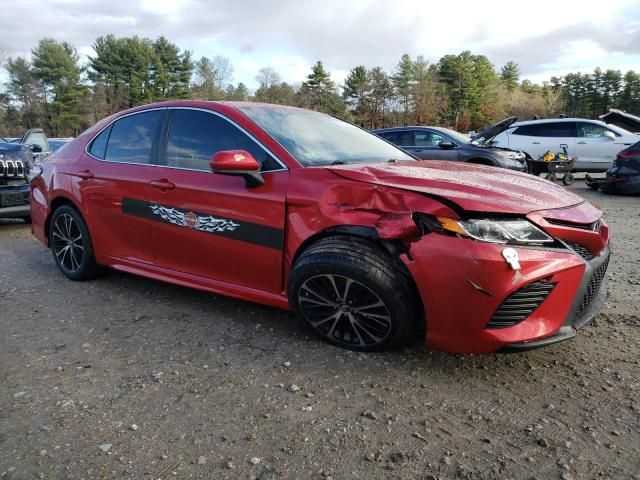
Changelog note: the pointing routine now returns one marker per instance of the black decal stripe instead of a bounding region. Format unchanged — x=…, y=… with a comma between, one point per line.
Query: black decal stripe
x=255, y=233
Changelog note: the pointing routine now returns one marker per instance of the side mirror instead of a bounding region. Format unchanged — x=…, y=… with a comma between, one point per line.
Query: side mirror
x=446, y=145
x=610, y=135
x=35, y=148
x=237, y=162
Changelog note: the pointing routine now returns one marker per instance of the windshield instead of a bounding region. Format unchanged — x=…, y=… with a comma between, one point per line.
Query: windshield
x=316, y=139
x=456, y=136
x=2, y=140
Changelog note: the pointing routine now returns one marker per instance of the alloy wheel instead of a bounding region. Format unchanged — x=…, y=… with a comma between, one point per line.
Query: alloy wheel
x=67, y=242
x=344, y=310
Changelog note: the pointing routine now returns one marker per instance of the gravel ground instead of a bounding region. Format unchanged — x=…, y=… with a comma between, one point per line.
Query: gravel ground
x=131, y=378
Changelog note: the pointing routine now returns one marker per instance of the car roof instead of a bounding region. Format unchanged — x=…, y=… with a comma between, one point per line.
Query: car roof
x=408, y=127
x=555, y=120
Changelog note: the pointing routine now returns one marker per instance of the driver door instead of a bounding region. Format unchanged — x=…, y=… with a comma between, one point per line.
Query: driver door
x=427, y=146
x=594, y=149
x=213, y=225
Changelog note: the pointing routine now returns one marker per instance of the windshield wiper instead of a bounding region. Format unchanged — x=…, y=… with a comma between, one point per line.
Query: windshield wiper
x=337, y=162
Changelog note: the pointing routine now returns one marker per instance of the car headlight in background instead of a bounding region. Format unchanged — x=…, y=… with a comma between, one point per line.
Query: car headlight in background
x=511, y=231
x=509, y=155
x=35, y=171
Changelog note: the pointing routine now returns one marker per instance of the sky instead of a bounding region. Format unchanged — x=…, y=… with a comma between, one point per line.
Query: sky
x=545, y=38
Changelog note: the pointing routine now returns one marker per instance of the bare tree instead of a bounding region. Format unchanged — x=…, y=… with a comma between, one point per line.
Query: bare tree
x=267, y=77
x=4, y=56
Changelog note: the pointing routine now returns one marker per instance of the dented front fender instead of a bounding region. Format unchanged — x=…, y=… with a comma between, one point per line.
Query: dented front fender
x=319, y=201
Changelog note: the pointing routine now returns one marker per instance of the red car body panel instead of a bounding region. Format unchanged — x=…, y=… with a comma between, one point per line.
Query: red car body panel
x=461, y=282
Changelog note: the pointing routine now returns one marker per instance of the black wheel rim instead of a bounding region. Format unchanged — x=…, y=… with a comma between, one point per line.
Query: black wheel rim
x=67, y=243
x=344, y=311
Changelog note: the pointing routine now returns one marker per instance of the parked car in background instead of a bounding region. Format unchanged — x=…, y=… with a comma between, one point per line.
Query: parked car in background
x=437, y=143
x=36, y=140
x=15, y=166
x=297, y=209
x=622, y=119
x=624, y=177
x=56, y=143
x=594, y=143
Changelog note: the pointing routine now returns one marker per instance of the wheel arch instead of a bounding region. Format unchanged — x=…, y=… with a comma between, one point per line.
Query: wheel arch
x=56, y=203
x=392, y=247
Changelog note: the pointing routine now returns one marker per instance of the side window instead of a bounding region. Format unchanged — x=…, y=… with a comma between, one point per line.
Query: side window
x=558, y=129
x=38, y=138
x=132, y=137
x=424, y=139
x=527, y=130
x=390, y=137
x=591, y=130
x=405, y=139
x=195, y=136
x=437, y=139
x=98, y=147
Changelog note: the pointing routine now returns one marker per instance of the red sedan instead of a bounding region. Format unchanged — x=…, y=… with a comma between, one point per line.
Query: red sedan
x=297, y=209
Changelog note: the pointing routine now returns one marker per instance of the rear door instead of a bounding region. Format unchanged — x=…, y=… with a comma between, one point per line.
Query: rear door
x=594, y=149
x=120, y=168
x=539, y=138
x=400, y=138
x=213, y=225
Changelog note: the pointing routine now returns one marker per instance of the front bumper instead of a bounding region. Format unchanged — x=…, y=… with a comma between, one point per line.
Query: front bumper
x=14, y=201
x=462, y=283
x=588, y=302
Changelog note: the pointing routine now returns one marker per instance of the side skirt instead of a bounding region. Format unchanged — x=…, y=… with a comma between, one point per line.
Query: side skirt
x=278, y=300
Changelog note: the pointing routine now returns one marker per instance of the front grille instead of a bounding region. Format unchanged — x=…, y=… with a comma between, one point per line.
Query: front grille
x=580, y=250
x=592, y=287
x=12, y=168
x=593, y=227
x=520, y=304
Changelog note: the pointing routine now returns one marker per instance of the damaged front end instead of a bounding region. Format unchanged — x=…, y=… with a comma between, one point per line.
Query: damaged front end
x=488, y=282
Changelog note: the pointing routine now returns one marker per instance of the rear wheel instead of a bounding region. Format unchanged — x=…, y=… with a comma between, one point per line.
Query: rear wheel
x=352, y=295
x=568, y=179
x=71, y=244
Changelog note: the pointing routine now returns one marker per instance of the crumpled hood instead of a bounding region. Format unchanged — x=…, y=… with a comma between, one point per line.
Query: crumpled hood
x=472, y=187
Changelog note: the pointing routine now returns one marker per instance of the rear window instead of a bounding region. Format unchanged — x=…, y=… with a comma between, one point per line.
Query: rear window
x=527, y=131
x=132, y=137
x=98, y=147
x=399, y=138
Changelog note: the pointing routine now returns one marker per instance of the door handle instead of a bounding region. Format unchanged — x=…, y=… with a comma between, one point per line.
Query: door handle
x=536, y=143
x=162, y=184
x=582, y=143
x=85, y=174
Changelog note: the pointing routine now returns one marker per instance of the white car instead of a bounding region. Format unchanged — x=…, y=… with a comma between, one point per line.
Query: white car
x=594, y=143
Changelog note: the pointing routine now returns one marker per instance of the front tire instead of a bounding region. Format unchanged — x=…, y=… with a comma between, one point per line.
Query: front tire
x=71, y=244
x=351, y=294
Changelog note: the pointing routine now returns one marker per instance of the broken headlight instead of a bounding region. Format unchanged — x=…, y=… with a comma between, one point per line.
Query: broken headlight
x=506, y=231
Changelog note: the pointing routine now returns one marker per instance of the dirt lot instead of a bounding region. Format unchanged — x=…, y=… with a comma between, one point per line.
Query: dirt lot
x=124, y=377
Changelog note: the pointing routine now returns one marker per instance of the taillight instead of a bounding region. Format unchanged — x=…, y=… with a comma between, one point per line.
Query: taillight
x=628, y=153
x=617, y=179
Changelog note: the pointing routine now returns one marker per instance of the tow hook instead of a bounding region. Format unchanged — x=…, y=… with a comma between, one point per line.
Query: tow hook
x=510, y=256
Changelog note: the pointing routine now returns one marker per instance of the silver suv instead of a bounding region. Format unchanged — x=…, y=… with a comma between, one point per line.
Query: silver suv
x=594, y=143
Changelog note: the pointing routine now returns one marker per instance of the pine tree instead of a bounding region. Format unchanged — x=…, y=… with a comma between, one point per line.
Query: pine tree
x=55, y=66
x=403, y=81
x=510, y=75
